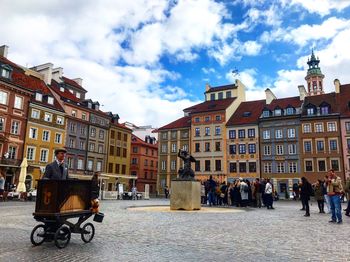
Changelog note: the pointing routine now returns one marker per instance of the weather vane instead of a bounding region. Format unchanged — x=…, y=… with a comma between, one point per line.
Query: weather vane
x=235, y=72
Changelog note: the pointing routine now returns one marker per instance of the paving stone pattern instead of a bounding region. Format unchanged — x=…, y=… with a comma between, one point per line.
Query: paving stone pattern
x=282, y=234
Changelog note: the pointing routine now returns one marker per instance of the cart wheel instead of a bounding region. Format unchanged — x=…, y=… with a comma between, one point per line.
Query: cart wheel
x=88, y=232
x=37, y=237
x=62, y=237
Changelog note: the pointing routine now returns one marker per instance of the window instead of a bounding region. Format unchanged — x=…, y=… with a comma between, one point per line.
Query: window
x=207, y=165
x=218, y=118
x=82, y=145
x=173, y=165
x=228, y=94
x=60, y=120
x=173, y=134
x=267, y=168
x=38, y=97
x=335, y=164
x=99, y=166
x=242, y=167
x=12, y=152
x=212, y=97
x=72, y=127
x=173, y=148
x=3, y=98
x=48, y=117
x=266, y=134
x=35, y=114
x=2, y=122
x=331, y=127
x=348, y=144
x=333, y=145
x=217, y=130
x=70, y=162
x=241, y=133
x=101, y=134
x=80, y=164
x=320, y=145
x=310, y=111
x=77, y=95
x=197, y=132
x=163, y=165
x=117, y=168
x=290, y=111
x=278, y=112
x=44, y=154
x=319, y=128
x=90, y=164
x=134, y=161
x=233, y=167
x=46, y=135
x=18, y=102
x=165, y=135
x=30, y=153
x=71, y=143
x=196, y=119
x=251, y=132
x=100, y=149
x=33, y=133
x=292, y=149
x=5, y=71
x=217, y=146
x=306, y=128
x=93, y=132
x=217, y=165
x=308, y=166
x=92, y=147
x=266, y=113
x=118, y=151
x=164, y=148
x=207, y=119
x=252, y=167
x=232, y=134
x=267, y=150
x=347, y=127
x=74, y=113
x=184, y=147
x=83, y=116
x=321, y=165
x=279, y=150
x=279, y=133
x=251, y=148
x=220, y=95
x=291, y=132
x=82, y=130
x=324, y=110
x=280, y=167
x=232, y=149
x=119, y=136
x=307, y=146
x=197, y=147
x=207, y=147
x=15, y=128
x=207, y=131
x=292, y=167
x=197, y=166
x=241, y=148
x=50, y=100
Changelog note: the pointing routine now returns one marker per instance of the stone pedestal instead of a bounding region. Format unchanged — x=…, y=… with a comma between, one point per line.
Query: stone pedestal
x=185, y=195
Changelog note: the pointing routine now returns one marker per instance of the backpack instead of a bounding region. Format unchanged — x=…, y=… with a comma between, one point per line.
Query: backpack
x=246, y=188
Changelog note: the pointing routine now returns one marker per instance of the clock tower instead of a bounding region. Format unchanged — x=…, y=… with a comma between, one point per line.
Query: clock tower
x=314, y=77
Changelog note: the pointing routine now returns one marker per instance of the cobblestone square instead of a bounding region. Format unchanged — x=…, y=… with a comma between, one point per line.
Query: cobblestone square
x=128, y=234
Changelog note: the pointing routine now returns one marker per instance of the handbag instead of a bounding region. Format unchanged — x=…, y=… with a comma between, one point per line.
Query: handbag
x=222, y=195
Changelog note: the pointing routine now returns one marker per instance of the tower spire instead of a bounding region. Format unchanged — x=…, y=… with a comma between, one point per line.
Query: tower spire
x=314, y=76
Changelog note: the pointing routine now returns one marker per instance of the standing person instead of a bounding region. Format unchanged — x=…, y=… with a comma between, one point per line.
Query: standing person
x=326, y=196
x=334, y=191
x=302, y=202
x=347, y=191
x=295, y=191
x=269, y=194
x=305, y=193
x=262, y=189
x=318, y=189
x=258, y=192
x=57, y=170
x=2, y=185
x=212, y=191
x=166, y=191
x=202, y=193
x=244, y=190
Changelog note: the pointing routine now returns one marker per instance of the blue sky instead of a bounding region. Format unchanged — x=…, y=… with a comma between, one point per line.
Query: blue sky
x=147, y=60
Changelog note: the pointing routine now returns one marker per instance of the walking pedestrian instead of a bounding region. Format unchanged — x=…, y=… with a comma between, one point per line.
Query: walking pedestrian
x=269, y=194
x=258, y=192
x=318, y=189
x=305, y=193
x=334, y=191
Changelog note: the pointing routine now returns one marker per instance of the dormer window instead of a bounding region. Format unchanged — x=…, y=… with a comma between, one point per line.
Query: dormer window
x=6, y=71
x=38, y=97
x=228, y=94
x=310, y=111
x=62, y=89
x=97, y=107
x=74, y=113
x=77, y=95
x=266, y=113
x=50, y=100
x=324, y=110
x=278, y=112
x=220, y=95
x=71, y=90
x=89, y=105
x=290, y=111
x=212, y=97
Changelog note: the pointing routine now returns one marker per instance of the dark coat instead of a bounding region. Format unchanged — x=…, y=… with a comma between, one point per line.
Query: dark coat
x=305, y=191
x=52, y=171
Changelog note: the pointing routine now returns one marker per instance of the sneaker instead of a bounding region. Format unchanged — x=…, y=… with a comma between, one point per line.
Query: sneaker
x=272, y=208
x=332, y=221
x=340, y=222
x=302, y=209
x=306, y=215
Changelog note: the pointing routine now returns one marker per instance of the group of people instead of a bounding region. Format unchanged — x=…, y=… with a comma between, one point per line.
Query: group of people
x=240, y=193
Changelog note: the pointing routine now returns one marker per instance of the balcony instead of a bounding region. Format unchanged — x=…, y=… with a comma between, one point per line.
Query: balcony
x=10, y=162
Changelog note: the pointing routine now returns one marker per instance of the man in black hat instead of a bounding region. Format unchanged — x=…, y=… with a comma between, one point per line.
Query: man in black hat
x=57, y=170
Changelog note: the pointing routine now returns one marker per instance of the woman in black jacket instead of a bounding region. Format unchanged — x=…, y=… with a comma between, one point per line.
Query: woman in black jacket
x=305, y=193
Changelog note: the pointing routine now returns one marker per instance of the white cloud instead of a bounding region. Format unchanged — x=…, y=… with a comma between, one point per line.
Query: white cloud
x=322, y=7
x=208, y=70
x=251, y=48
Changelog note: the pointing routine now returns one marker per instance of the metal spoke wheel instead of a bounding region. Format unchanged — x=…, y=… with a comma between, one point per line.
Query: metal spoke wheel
x=37, y=237
x=88, y=232
x=62, y=236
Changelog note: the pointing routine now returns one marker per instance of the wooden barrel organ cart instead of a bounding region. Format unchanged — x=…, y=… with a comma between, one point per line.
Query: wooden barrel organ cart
x=60, y=200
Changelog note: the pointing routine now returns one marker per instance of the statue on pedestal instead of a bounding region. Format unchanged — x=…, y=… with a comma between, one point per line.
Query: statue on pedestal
x=186, y=173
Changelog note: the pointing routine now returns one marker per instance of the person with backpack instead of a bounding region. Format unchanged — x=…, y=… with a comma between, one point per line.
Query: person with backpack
x=305, y=193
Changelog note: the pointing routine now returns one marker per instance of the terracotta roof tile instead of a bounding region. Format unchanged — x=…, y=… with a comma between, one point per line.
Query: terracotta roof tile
x=72, y=83
x=285, y=102
x=179, y=123
x=136, y=139
x=221, y=88
x=210, y=106
x=247, y=113
x=66, y=94
x=330, y=98
x=344, y=100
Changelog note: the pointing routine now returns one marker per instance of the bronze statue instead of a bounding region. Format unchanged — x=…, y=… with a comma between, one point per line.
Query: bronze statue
x=186, y=173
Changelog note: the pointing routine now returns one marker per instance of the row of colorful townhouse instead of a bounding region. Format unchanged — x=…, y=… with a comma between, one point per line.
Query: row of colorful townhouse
x=41, y=110
x=282, y=139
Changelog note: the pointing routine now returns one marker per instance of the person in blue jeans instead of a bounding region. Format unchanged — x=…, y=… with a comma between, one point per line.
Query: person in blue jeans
x=212, y=191
x=334, y=191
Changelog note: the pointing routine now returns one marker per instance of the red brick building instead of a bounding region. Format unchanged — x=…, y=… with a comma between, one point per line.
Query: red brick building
x=144, y=162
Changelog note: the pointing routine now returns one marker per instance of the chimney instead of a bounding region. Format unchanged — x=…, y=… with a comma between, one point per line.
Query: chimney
x=4, y=50
x=79, y=81
x=269, y=96
x=302, y=92
x=207, y=87
x=46, y=71
x=57, y=74
x=337, y=85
